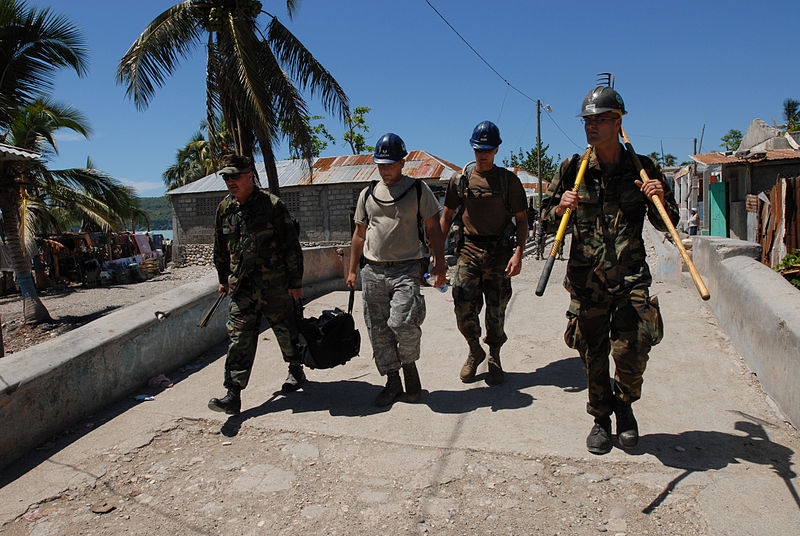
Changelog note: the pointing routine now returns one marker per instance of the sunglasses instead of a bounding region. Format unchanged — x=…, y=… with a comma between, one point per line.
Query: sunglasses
x=228, y=177
x=597, y=120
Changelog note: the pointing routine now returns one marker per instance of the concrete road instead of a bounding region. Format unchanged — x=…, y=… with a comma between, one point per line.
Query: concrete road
x=715, y=456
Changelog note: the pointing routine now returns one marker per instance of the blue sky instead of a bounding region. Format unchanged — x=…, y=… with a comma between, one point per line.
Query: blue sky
x=679, y=65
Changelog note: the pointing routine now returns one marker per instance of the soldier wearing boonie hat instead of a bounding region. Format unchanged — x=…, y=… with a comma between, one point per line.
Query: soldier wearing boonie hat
x=259, y=260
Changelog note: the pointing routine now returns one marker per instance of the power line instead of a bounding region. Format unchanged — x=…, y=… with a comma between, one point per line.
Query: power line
x=489, y=65
x=562, y=131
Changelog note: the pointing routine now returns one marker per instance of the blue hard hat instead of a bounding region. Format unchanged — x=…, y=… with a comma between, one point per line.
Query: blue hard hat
x=485, y=136
x=390, y=149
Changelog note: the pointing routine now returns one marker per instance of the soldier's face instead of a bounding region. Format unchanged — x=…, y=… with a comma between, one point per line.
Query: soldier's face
x=484, y=158
x=602, y=129
x=240, y=186
x=391, y=173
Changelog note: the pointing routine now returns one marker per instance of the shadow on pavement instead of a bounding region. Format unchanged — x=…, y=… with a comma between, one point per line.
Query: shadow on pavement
x=354, y=398
x=697, y=450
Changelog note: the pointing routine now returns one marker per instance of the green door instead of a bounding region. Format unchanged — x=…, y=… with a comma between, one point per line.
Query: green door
x=718, y=209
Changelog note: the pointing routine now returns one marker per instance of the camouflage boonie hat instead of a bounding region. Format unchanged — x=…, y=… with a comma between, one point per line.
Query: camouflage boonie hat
x=233, y=164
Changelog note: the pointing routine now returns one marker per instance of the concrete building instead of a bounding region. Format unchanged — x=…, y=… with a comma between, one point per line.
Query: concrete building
x=764, y=155
x=323, y=202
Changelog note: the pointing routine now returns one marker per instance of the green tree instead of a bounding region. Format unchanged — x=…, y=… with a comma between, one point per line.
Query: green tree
x=320, y=137
x=199, y=157
x=669, y=160
x=528, y=162
x=791, y=114
x=253, y=77
x=35, y=44
x=655, y=157
x=35, y=197
x=356, y=128
x=731, y=140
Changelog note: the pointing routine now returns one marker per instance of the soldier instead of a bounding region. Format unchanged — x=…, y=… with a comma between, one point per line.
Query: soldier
x=487, y=197
x=390, y=215
x=259, y=261
x=607, y=276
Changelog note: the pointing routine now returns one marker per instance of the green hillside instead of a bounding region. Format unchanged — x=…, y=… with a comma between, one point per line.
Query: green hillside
x=159, y=211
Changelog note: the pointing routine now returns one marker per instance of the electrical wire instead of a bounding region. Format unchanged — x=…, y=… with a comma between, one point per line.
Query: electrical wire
x=489, y=65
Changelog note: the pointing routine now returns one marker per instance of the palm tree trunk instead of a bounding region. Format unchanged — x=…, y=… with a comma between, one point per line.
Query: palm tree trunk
x=33, y=309
x=272, y=169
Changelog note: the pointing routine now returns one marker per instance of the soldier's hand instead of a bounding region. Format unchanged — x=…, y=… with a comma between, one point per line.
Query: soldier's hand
x=222, y=289
x=296, y=293
x=441, y=275
x=514, y=266
x=569, y=200
x=652, y=188
x=351, y=280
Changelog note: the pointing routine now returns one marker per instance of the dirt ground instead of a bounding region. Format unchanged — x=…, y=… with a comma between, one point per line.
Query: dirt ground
x=75, y=305
x=194, y=478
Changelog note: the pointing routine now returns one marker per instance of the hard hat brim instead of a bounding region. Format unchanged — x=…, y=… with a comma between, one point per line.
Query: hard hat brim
x=385, y=160
x=483, y=146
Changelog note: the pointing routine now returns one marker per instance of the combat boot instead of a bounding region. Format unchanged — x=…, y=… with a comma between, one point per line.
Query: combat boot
x=392, y=390
x=413, y=385
x=475, y=358
x=599, y=439
x=230, y=404
x=294, y=380
x=627, y=427
x=496, y=375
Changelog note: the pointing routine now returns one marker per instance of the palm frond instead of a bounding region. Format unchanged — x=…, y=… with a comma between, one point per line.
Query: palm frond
x=36, y=43
x=157, y=52
x=305, y=68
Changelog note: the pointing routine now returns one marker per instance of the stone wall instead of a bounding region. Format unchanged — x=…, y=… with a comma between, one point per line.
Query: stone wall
x=324, y=213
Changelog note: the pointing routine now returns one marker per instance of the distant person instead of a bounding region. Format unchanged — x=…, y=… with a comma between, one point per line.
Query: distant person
x=388, y=217
x=607, y=277
x=259, y=261
x=489, y=197
x=694, y=222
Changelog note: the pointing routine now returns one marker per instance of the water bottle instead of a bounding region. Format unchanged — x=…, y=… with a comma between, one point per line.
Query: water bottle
x=431, y=280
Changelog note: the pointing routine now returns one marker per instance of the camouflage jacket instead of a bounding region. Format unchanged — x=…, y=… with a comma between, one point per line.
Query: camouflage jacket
x=607, y=256
x=257, y=240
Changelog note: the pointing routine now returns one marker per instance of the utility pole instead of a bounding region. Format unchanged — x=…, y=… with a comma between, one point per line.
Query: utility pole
x=539, y=238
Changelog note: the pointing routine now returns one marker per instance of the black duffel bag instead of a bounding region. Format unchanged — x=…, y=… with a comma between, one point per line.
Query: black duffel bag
x=330, y=339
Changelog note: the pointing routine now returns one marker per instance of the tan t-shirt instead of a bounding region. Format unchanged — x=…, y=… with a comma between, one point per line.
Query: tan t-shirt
x=392, y=226
x=485, y=212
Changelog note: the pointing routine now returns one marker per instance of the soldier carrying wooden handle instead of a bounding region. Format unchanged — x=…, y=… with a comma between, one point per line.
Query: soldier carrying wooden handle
x=611, y=310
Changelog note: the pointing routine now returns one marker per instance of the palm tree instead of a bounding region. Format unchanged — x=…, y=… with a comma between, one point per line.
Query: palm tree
x=791, y=114
x=33, y=196
x=250, y=74
x=198, y=158
x=35, y=44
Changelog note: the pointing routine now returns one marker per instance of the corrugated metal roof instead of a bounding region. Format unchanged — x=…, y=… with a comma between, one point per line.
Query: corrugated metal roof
x=758, y=156
x=327, y=170
x=9, y=152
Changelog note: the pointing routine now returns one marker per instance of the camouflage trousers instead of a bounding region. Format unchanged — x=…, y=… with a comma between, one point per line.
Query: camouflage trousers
x=480, y=276
x=626, y=326
x=393, y=312
x=247, y=307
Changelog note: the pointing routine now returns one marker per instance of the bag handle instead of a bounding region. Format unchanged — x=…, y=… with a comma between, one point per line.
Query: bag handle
x=350, y=301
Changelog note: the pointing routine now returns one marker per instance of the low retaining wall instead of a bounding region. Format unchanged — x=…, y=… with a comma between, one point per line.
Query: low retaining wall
x=760, y=311
x=757, y=307
x=52, y=385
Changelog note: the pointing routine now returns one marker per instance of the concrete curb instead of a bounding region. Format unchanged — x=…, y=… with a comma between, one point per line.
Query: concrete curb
x=52, y=385
x=760, y=310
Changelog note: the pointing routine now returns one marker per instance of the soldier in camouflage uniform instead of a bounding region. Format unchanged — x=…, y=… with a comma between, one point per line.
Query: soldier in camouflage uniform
x=611, y=310
x=489, y=196
x=258, y=259
x=388, y=215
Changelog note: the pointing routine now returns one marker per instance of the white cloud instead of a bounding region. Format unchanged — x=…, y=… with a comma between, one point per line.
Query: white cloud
x=145, y=188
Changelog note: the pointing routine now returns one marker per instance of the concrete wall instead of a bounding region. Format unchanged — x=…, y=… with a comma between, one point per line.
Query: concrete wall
x=323, y=212
x=760, y=311
x=52, y=385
